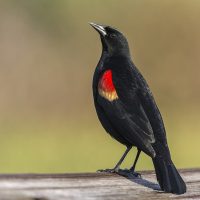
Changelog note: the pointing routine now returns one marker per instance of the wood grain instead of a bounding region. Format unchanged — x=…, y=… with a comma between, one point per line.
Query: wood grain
x=89, y=186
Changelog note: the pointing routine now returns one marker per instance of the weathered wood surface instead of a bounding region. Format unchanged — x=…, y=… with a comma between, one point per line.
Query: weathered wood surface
x=91, y=186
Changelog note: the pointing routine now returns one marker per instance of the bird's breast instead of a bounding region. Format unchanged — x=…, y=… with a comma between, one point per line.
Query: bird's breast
x=106, y=87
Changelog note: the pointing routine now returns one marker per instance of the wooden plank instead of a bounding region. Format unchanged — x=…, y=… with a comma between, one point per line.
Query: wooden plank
x=89, y=186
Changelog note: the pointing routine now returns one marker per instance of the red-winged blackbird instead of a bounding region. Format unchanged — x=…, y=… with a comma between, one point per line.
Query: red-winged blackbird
x=127, y=110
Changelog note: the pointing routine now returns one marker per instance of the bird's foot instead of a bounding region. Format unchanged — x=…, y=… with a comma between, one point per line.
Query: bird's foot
x=123, y=172
x=108, y=170
x=129, y=173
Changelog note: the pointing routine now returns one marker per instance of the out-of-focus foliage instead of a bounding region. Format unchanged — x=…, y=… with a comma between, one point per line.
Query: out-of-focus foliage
x=48, y=53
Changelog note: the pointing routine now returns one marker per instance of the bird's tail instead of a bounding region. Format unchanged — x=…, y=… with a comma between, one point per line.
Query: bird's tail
x=168, y=177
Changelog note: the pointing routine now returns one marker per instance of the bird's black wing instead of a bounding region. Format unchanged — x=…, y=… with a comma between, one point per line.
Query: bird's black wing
x=148, y=103
x=126, y=114
x=131, y=127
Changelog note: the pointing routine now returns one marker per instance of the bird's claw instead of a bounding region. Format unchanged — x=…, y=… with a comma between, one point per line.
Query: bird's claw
x=108, y=170
x=129, y=173
x=136, y=174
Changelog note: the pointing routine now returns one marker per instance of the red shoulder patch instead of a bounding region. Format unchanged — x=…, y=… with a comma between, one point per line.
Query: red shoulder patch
x=106, y=87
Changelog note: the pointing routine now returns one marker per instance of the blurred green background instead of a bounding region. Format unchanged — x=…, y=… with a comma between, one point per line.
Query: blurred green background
x=48, y=53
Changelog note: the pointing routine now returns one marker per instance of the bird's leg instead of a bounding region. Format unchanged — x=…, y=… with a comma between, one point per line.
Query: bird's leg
x=122, y=159
x=132, y=169
x=130, y=173
x=116, y=168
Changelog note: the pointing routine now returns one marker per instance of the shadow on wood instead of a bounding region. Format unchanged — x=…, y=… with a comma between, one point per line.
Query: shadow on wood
x=145, y=183
x=137, y=178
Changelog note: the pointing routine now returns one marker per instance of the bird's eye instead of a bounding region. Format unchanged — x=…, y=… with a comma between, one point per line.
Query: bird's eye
x=112, y=35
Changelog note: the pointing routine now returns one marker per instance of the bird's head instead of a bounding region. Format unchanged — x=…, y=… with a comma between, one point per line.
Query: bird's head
x=113, y=41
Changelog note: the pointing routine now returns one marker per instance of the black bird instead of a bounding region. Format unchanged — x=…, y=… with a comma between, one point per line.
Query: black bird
x=127, y=110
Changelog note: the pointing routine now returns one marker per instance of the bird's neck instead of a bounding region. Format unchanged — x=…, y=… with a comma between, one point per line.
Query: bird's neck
x=119, y=53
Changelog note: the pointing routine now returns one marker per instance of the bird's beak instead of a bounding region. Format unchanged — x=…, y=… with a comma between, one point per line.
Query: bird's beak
x=99, y=28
